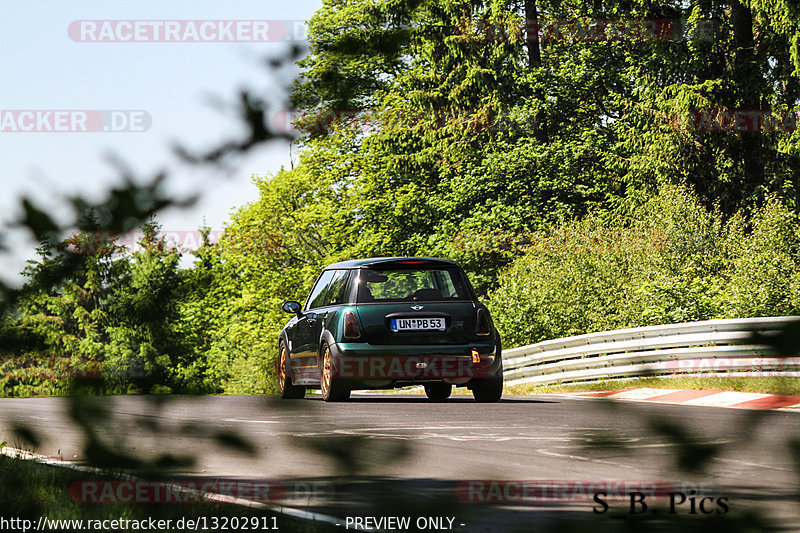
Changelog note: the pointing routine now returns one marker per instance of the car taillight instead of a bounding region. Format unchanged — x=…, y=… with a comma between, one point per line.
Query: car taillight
x=482, y=326
x=351, y=330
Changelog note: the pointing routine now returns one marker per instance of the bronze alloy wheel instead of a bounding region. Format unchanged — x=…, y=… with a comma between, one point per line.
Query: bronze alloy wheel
x=326, y=373
x=282, y=369
x=332, y=388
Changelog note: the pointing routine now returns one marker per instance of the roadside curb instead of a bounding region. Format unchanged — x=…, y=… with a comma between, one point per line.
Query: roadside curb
x=708, y=398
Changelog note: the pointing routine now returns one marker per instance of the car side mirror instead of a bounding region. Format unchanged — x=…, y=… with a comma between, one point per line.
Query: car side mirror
x=292, y=307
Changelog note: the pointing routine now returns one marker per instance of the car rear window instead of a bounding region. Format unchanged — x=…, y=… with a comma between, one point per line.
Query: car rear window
x=411, y=284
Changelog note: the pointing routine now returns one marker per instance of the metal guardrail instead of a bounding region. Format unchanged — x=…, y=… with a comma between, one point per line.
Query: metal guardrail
x=711, y=346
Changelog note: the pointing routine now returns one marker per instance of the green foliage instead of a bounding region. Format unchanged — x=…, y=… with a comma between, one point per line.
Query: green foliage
x=671, y=261
x=765, y=264
x=142, y=348
x=114, y=322
x=467, y=136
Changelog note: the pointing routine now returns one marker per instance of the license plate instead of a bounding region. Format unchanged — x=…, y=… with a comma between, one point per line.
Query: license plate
x=418, y=324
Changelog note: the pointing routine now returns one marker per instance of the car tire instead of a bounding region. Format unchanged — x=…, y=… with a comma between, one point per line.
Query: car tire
x=438, y=392
x=488, y=389
x=288, y=390
x=333, y=390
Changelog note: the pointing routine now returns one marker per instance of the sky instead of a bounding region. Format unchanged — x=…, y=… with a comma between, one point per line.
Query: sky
x=181, y=88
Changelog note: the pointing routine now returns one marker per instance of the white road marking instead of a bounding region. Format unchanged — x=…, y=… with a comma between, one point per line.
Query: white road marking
x=381, y=433
x=757, y=465
x=661, y=445
x=640, y=394
x=251, y=421
x=587, y=459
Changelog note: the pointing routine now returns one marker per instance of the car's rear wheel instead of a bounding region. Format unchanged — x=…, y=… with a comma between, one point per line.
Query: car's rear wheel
x=333, y=390
x=288, y=390
x=438, y=392
x=488, y=389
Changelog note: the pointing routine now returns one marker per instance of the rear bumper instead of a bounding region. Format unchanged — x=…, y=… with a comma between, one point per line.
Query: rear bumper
x=385, y=366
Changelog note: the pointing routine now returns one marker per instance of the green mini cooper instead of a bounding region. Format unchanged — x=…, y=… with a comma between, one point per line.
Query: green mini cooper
x=390, y=322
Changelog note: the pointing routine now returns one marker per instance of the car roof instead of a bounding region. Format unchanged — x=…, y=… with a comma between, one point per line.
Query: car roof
x=385, y=261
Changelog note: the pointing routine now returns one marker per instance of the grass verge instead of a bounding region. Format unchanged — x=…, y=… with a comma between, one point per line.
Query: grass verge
x=30, y=490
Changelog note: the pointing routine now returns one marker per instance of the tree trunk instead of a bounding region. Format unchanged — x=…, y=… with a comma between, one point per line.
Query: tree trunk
x=532, y=33
x=534, y=60
x=749, y=82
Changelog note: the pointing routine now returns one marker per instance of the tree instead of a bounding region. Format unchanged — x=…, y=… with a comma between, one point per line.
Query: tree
x=143, y=348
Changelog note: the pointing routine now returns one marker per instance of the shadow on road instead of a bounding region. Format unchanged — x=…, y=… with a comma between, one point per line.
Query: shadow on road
x=421, y=399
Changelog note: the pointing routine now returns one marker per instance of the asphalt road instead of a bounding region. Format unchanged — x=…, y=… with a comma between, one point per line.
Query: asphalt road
x=402, y=455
